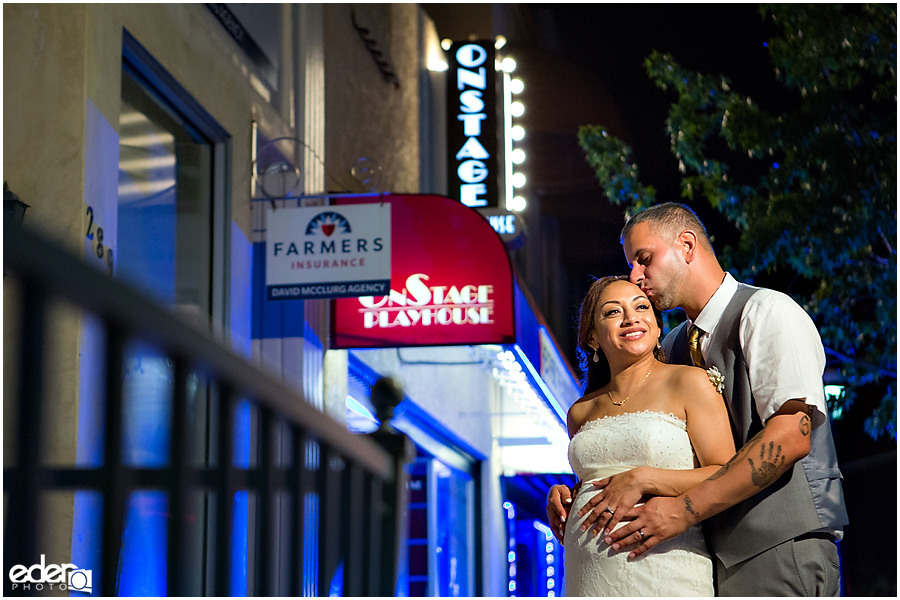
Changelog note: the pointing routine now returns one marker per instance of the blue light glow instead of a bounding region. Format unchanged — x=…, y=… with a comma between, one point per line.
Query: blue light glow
x=548, y=533
x=354, y=405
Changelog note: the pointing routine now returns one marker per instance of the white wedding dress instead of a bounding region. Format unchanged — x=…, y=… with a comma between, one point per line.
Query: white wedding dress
x=677, y=567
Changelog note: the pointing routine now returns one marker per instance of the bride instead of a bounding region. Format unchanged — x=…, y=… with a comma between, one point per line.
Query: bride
x=643, y=427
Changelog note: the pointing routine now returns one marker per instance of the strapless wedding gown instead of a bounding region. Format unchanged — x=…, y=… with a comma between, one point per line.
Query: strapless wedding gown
x=677, y=567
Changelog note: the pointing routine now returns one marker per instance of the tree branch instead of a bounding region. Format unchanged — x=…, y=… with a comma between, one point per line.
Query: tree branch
x=860, y=363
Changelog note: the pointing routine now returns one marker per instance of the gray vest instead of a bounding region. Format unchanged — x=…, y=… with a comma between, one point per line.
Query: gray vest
x=805, y=498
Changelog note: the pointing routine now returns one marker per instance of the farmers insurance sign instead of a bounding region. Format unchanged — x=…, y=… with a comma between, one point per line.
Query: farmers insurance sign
x=327, y=251
x=451, y=282
x=473, y=167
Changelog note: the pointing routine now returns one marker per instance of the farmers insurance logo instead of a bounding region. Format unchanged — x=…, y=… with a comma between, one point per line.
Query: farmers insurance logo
x=64, y=577
x=327, y=223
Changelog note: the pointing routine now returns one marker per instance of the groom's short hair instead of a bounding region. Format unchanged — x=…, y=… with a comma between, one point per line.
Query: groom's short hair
x=668, y=220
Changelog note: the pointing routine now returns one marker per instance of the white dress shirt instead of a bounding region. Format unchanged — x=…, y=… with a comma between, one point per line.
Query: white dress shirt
x=782, y=348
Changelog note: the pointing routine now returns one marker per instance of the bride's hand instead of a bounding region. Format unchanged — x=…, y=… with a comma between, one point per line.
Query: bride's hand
x=618, y=494
x=559, y=500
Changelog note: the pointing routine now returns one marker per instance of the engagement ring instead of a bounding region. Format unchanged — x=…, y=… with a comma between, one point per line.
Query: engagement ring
x=609, y=510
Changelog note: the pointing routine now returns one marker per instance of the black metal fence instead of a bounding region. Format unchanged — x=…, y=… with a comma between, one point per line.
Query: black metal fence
x=356, y=485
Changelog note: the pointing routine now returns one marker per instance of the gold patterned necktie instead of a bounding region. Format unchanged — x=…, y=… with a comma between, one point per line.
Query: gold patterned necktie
x=694, y=345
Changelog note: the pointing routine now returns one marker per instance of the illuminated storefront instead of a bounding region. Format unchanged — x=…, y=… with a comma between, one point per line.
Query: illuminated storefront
x=486, y=393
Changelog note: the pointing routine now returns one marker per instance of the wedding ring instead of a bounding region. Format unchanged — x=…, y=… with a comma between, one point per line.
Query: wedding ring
x=609, y=510
x=643, y=537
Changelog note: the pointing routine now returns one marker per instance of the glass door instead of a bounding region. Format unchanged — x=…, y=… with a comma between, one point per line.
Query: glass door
x=165, y=249
x=441, y=541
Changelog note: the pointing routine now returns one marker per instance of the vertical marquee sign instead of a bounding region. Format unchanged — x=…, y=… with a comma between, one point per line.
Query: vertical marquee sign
x=473, y=165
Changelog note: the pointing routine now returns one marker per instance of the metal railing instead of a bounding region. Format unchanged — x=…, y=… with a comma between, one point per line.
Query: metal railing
x=358, y=485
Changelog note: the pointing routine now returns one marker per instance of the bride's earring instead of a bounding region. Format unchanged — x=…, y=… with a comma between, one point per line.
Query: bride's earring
x=596, y=358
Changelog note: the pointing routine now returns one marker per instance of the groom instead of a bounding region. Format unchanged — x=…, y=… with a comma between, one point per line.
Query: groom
x=773, y=513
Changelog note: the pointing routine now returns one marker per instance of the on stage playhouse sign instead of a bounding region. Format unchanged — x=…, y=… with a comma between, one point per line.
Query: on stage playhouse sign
x=328, y=251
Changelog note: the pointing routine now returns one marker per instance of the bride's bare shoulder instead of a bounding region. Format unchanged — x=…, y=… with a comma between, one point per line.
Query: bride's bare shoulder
x=691, y=382
x=581, y=405
x=580, y=410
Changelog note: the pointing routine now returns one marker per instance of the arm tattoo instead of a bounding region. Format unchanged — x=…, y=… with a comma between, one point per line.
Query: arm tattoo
x=767, y=471
x=688, y=505
x=725, y=468
x=805, y=425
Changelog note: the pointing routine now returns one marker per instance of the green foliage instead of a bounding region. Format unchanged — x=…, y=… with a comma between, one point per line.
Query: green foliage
x=813, y=196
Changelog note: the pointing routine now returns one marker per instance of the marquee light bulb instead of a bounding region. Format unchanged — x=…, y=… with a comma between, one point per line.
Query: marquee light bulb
x=518, y=204
x=499, y=42
x=446, y=43
x=517, y=109
x=516, y=86
x=518, y=156
x=517, y=133
x=518, y=180
x=508, y=64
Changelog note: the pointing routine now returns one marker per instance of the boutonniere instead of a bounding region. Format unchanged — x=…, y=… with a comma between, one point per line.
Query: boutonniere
x=716, y=378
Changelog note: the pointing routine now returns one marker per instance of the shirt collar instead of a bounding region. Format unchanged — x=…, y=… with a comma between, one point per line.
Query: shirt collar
x=713, y=310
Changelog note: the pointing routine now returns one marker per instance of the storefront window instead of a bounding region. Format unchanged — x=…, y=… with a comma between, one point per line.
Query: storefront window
x=164, y=248
x=164, y=205
x=441, y=544
x=455, y=544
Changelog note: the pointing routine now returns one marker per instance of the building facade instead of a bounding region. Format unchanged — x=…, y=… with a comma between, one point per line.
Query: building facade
x=149, y=140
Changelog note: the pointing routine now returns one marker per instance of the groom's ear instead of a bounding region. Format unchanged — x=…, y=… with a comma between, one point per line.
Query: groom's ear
x=688, y=241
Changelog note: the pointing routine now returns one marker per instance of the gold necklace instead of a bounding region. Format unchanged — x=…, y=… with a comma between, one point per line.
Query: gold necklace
x=625, y=399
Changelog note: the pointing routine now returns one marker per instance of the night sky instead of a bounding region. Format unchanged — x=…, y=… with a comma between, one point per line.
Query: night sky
x=612, y=41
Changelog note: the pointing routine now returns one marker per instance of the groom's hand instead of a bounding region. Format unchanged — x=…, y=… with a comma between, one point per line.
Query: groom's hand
x=659, y=519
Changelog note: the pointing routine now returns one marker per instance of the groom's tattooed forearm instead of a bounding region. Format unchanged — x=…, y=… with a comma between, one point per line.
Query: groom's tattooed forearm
x=724, y=469
x=741, y=454
x=770, y=463
x=688, y=505
x=767, y=471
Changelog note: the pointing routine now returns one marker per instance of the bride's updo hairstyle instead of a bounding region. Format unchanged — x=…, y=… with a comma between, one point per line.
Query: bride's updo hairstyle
x=595, y=375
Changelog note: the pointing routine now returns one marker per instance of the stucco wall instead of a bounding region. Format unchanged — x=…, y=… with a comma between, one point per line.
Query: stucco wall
x=43, y=155
x=62, y=65
x=44, y=63
x=369, y=117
